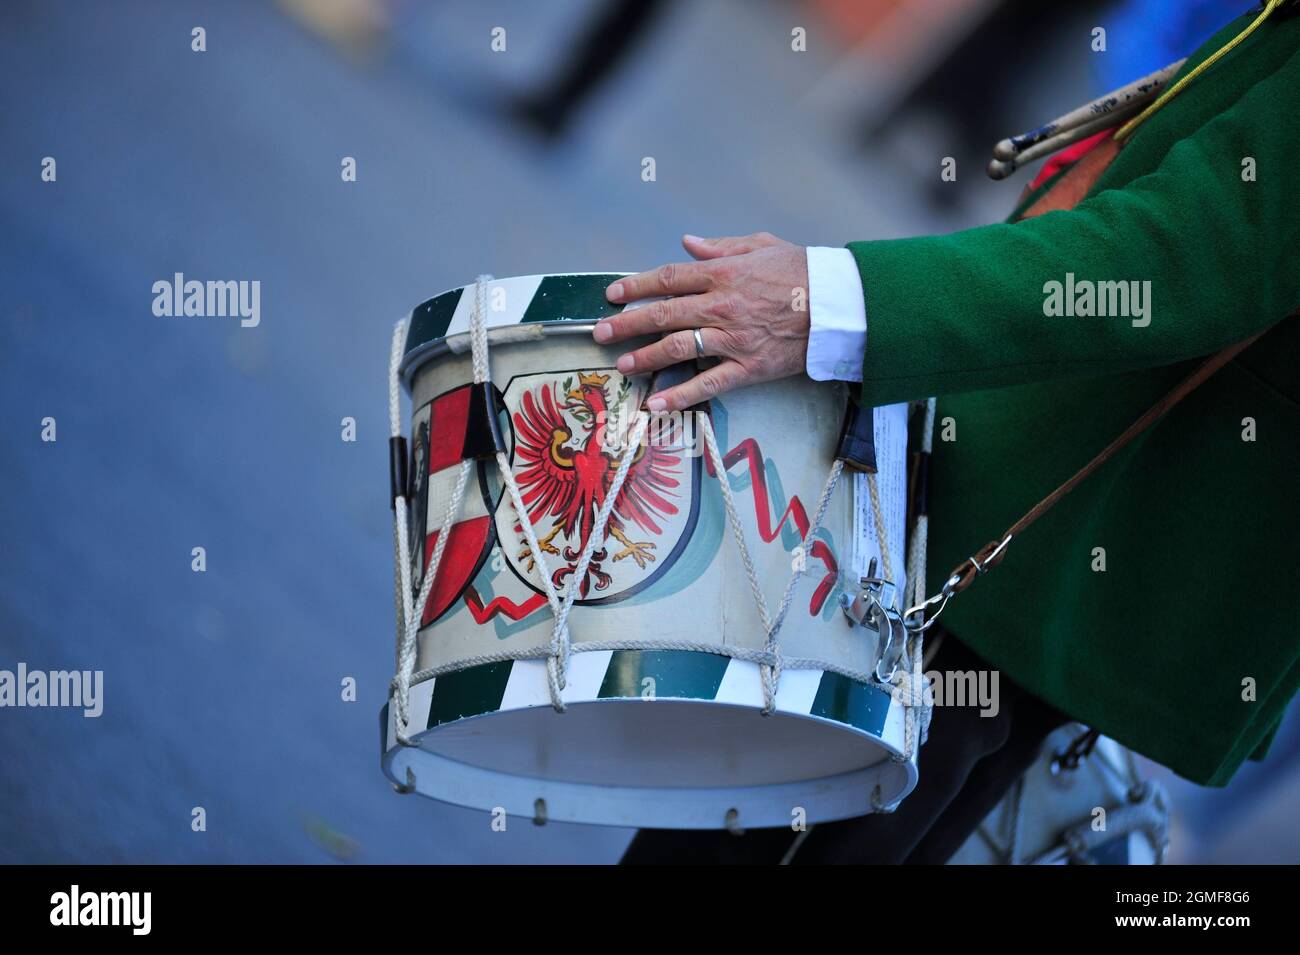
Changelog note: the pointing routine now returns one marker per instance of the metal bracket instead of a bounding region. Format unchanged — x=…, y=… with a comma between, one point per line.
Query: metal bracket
x=875, y=608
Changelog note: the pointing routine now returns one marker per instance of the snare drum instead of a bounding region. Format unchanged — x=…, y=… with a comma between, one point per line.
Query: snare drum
x=1094, y=808
x=659, y=722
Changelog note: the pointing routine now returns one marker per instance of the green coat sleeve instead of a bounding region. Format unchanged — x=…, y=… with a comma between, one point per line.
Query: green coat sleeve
x=965, y=311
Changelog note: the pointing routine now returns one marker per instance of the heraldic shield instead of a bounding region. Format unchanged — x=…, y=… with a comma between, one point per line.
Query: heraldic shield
x=565, y=432
x=569, y=430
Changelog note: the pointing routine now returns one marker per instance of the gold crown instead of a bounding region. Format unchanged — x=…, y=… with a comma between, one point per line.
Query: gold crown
x=594, y=378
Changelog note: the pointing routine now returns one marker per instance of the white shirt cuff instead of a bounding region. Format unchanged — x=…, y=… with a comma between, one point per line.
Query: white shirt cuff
x=837, y=314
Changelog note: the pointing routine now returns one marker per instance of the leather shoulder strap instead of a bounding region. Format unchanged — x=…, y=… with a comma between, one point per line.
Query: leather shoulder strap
x=1065, y=194
x=991, y=554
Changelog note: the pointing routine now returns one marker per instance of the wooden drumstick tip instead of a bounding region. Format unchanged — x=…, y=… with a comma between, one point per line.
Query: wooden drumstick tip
x=997, y=169
x=1006, y=149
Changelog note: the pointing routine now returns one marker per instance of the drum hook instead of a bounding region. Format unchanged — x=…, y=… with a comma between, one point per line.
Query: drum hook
x=732, y=822
x=894, y=622
x=409, y=786
x=1073, y=755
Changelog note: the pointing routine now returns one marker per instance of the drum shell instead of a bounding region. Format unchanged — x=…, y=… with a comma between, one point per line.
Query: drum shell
x=705, y=579
x=488, y=736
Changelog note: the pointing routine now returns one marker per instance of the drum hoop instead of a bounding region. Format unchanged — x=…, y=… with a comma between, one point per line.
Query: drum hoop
x=418, y=770
x=414, y=356
x=672, y=804
x=422, y=354
x=866, y=678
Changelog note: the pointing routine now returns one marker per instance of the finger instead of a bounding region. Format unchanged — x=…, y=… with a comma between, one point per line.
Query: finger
x=687, y=311
x=707, y=384
x=675, y=278
x=669, y=350
x=727, y=245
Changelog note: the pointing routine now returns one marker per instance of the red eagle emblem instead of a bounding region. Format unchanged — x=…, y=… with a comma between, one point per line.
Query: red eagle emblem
x=564, y=478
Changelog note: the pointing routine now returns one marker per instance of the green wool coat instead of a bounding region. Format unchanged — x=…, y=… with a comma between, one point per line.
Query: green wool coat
x=1198, y=599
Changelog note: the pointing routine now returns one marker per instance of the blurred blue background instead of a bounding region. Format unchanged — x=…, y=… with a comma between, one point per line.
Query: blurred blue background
x=223, y=688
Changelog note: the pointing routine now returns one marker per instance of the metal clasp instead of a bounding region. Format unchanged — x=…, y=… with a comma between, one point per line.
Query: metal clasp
x=941, y=598
x=874, y=608
x=982, y=568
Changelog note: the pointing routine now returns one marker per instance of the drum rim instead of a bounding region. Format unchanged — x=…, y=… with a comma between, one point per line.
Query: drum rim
x=415, y=355
x=421, y=355
x=824, y=799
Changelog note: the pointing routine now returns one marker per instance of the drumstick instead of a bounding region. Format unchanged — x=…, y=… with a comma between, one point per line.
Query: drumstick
x=1000, y=169
x=1126, y=98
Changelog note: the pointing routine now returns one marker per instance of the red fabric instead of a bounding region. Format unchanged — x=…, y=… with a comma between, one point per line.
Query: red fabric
x=1067, y=156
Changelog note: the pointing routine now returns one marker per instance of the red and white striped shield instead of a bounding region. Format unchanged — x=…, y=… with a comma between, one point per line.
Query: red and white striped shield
x=444, y=433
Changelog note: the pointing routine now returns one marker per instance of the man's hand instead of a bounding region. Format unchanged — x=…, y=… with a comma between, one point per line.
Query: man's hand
x=748, y=296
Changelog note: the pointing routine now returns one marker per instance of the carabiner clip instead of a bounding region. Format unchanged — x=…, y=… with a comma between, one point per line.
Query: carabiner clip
x=888, y=650
x=941, y=598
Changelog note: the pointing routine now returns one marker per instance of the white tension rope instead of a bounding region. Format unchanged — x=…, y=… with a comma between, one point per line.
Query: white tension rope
x=556, y=653
x=409, y=616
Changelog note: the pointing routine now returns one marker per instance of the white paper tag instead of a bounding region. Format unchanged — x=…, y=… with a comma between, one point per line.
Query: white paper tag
x=889, y=425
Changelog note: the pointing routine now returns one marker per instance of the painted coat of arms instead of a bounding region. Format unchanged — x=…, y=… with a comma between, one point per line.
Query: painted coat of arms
x=570, y=433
